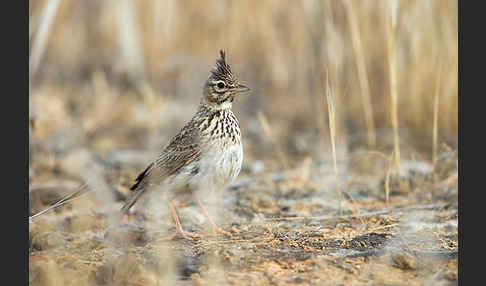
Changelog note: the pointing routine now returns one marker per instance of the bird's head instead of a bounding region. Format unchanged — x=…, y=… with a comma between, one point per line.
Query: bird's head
x=222, y=85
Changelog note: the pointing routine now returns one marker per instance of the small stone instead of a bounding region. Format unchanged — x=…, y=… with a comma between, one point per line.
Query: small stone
x=404, y=261
x=128, y=270
x=45, y=271
x=40, y=227
x=48, y=240
x=125, y=235
x=257, y=167
x=83, y=223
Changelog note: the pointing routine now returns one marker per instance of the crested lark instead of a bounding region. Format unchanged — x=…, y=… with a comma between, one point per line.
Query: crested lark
x=207, y=152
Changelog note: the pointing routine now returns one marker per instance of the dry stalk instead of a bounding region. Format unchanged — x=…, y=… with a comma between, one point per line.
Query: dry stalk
x=362, y=74
x=332, y=132
x=128, y=38
x=435, y=131
x=267, y=131
x=131, y=47
x=82, y=190
x=40, y=41
x=387, y=179
x=354, y=210
x=391, y=20
x=320, y=120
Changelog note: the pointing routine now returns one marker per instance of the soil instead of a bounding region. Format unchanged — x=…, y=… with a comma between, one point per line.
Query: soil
x=297, y=240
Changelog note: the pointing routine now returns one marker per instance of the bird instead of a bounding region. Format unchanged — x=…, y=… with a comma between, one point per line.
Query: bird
x=206, y=153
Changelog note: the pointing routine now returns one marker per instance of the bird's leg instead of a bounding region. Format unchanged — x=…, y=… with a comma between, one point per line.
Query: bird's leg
x=214, y=226
x=185, y=234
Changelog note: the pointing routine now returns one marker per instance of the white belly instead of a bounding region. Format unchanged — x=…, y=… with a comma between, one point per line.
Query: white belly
x=215, y=170
x=220, y=167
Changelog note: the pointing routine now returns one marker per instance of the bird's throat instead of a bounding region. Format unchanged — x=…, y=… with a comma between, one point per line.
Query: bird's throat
x=227, y=104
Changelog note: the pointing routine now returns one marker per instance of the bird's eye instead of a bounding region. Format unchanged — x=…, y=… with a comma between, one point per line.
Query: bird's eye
x=220, y=85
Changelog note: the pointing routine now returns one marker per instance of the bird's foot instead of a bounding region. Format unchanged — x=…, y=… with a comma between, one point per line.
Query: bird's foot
x=221, y=231
x=191, y=235
x=187, y=235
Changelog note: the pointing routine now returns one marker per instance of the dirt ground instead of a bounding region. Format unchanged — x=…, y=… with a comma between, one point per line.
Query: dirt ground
x=285, y=222
x=291, y=241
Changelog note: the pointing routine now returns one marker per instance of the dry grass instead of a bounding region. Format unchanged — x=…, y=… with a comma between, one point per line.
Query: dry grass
x=270, y=135
x=39, y=45
x=387, y=179
x=332, y=131
x=435, y=130
x=362, y=73
x=279, y=50
x=391, y=23
x=112, y=81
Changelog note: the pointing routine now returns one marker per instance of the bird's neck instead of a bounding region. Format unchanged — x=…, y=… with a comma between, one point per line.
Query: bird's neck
x=214, y=106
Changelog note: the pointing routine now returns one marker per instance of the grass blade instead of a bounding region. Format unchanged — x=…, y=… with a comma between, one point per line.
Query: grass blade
x=391, y=21
x=332, y=131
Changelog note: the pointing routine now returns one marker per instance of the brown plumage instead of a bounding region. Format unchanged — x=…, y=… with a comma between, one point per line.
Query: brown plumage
x=207, y=151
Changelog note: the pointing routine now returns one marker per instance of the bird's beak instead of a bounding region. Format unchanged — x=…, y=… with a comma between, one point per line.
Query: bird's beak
x=241, y=88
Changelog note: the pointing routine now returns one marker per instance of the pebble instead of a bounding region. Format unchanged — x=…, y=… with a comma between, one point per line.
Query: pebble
x=404, y=261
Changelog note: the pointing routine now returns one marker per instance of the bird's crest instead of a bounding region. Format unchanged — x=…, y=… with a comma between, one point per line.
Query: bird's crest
x=222, y=71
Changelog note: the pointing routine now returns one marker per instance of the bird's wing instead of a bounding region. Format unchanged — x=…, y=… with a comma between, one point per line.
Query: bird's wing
x=182, y=150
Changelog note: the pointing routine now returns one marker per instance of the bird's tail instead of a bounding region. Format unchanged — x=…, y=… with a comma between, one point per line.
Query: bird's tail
x=139, y=188
x=132, y=200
